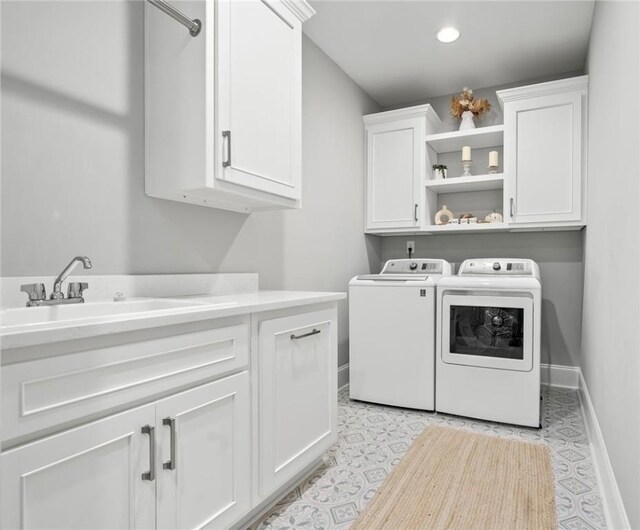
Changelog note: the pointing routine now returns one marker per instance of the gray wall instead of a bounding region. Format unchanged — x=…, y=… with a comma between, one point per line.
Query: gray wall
x=73, y=164
x=610, y=350
x=559, y=255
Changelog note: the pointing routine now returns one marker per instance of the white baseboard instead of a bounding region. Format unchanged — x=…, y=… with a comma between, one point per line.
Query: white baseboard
x=343, y=376
x=562, y=376
x=614, y=510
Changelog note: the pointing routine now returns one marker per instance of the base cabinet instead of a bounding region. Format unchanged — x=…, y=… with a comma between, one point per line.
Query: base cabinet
x=88, y=477
x=298, y=394
x=203, y=455
x=182, y=462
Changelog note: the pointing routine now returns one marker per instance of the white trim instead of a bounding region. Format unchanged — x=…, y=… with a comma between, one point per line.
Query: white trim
x=543, y=89
x=561, y=376
x=418, y=111
x=300, y=8
x=343, y=376
x=614, y=511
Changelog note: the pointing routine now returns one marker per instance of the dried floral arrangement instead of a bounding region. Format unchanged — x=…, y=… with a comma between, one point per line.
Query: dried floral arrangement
x=466, y=102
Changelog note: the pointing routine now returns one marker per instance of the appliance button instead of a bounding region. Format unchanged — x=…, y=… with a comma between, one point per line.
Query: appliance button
x=413, y=266
x=496, y=266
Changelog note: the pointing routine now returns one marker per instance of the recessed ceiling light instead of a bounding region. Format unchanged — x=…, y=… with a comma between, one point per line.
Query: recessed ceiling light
x=447, y=35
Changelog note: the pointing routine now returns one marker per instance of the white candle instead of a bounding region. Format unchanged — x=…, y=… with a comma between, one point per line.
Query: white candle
x=466, y=153
x=493, y=158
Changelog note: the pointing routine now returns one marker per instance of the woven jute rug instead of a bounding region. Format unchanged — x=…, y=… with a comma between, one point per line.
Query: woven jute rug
x=456, y=479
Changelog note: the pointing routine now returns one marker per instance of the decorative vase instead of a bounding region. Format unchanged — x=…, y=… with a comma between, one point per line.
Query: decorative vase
x=443, y=216
x=467, y=121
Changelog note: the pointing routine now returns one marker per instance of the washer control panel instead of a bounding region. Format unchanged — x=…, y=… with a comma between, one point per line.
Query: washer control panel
x=516, y=267
x=412, y=266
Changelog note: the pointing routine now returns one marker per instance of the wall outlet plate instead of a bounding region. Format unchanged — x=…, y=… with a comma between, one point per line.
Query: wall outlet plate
x=411, y=247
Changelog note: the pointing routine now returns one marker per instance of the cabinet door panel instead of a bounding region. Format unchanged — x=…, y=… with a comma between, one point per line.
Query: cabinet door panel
x=544, y=170
x=298, y=389
x=260, y=96
x=209, y=485
x=88, y=477
x=394, y=165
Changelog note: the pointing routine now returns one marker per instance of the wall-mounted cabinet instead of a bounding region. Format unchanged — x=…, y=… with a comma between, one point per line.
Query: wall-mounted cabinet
x=541, y=184
x=396, y=165
x=545, y=152
x=223, y=109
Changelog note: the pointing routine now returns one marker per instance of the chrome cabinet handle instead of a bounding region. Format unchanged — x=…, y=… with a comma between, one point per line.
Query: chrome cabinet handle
x=314, y=332
x=415, y=213
x=511, y=207
x=171, y=423
x=151, y=474
x=226, y=135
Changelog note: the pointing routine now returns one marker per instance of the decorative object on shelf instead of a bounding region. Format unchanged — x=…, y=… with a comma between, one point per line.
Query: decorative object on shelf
x=468, y=218
x=443, y=216
x=454, y=221
x=493, y=162
x=440, y=171
x=493, y=217
x=466, y=161
x=464, y=106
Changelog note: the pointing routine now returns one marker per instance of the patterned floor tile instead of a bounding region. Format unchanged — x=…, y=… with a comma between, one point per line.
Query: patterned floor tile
x=372, y=440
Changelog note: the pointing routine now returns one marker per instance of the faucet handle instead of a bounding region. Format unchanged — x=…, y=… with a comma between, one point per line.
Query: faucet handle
x=35, y=291
x=76, y=289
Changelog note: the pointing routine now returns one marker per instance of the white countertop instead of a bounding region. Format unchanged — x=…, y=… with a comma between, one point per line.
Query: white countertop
x=209, y=307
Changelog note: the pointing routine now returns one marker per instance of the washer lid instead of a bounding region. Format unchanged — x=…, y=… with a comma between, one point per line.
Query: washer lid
x=394, y=277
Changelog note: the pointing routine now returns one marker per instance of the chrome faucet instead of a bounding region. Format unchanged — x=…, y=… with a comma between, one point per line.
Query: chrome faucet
x=37, y=294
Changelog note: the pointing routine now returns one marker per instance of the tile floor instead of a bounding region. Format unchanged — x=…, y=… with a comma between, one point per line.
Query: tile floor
x=372, y=439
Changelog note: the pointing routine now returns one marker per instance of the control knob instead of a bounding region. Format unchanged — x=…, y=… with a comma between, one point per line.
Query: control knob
x=413, y=265
x=496, y=266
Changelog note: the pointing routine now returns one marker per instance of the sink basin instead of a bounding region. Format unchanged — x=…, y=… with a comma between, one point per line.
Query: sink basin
x=99, y=311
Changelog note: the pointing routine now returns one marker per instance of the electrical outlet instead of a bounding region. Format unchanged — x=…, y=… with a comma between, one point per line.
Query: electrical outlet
x=411, y=247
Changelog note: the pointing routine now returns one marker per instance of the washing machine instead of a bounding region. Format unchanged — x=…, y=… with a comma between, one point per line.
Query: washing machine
x=488, y=341
x=392, y=333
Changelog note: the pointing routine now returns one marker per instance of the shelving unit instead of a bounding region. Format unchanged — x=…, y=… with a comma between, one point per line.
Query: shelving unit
x=462, y=184
x=479, y=138
x=474, y=227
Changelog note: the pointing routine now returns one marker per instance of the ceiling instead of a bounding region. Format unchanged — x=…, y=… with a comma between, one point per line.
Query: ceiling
x=389, y=48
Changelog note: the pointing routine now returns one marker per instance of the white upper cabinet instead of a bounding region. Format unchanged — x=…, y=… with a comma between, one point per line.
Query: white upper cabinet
x=223, y=109
x=544, y=152
x=395, y=167
x=259, y=96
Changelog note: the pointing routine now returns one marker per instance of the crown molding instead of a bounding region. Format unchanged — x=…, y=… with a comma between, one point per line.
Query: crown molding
x=543, y=89
x=300, y=8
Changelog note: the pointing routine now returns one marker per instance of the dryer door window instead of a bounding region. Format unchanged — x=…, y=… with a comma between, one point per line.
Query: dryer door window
x=487, y=330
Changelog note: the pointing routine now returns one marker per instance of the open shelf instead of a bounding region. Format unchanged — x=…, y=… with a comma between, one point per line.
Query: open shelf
x=476, y=138
x=473, y=227
x=461, y=184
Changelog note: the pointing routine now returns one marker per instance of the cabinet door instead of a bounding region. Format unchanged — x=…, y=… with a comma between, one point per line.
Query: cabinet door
x=88, y=477
x=204, y=455
x=543, y=158
x=395, y=162
x=260, y=92
x=298, y=394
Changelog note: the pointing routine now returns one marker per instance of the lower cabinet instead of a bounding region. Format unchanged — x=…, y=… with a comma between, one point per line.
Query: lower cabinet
x=182, y=462
x=298, y=394
x=88, y=477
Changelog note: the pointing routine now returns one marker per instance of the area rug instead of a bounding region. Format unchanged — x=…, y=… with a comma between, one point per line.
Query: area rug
x=456, y=479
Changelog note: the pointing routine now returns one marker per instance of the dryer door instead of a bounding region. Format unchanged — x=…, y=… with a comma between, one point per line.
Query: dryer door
x=488, y=331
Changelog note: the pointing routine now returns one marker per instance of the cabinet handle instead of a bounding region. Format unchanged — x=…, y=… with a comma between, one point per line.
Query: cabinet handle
x=151, y=431
x=511, y=207
x=314, y=332
x=171, y=423
x=226, y=135
x=415, y=213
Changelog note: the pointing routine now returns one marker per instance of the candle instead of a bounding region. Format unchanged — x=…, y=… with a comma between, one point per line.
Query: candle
x=493, y=158
x=466, y=153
